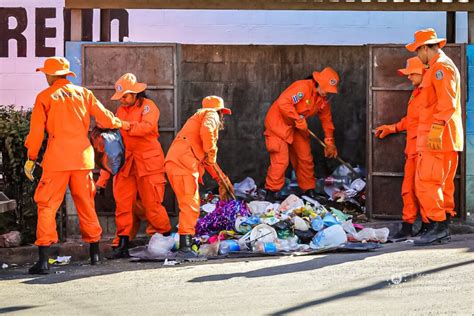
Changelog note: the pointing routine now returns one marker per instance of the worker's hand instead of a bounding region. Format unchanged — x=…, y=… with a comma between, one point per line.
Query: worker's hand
x=385, y=130
x=435, y=137
x=302, y=126
x=125, y=125
x=330, y=151
x=99, y=190
x=210, y=160
x=226, y=189
x=117, y=123
x=29, y=168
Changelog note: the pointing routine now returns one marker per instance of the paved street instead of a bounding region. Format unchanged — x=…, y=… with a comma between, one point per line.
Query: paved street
x=398, y=279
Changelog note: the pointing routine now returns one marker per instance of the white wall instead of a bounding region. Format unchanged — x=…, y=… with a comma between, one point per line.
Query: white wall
x=286, y=27
x=19, y=83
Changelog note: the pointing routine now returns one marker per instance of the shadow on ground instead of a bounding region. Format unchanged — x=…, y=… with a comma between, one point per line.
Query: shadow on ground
x=77, y=271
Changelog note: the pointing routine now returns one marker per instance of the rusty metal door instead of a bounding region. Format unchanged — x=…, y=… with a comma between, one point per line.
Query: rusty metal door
x=154, y=64
x=388, y=95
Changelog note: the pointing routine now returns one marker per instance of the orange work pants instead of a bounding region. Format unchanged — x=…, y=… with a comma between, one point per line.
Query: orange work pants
x=137, y=217
x=298, y=153
x=410, y=202
x=434, y=184
x=186, y=189
x=49, y=196
x=151, y=189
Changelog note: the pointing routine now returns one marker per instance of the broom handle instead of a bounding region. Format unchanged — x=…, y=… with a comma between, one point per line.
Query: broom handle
x=338, y=158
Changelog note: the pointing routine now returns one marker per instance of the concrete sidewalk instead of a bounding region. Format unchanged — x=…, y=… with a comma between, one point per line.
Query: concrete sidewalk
x=79, y=251
x=395, y=280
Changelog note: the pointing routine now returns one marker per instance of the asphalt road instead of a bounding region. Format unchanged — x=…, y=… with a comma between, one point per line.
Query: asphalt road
x=397, y=279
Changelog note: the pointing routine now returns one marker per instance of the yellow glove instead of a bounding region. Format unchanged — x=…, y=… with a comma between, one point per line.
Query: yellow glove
x=435, y=137
x=224, y=194
x=330, y=151
x=385, y=130
x=29, y=168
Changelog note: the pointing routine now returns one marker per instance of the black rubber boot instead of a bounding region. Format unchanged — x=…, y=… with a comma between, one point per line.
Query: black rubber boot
x=405, y=232
x=423, y=229
x=122, y=249
x=271, y=196
x=94, y=252
x=185, y=251
x=438, y=232
x=42, y=266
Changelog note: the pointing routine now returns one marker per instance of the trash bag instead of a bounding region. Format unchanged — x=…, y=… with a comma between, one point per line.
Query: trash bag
x=330, y=220
x=108, y=148
x=259, y=207
x=372, y=234
x=330, y=237
x=160, y=245
x=305, y=236
x=291, y=203
x=246, y=187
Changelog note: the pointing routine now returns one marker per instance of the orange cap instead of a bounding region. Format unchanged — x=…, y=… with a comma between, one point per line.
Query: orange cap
x=56, y=66
x=216, y=103
x=327, y=79
x=424, y=37
x=414, y=66
x=127, y=84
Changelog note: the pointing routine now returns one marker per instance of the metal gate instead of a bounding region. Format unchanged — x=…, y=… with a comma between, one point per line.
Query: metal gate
x=154, y=64
x=388, y=95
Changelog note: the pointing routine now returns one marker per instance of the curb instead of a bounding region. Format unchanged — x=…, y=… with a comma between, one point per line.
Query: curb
x=79, y=251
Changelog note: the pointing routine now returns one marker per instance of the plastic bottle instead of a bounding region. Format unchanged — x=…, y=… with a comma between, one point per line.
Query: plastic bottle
x=317, y=223
x=265, y=247
x=339, y=181
x=227, y=246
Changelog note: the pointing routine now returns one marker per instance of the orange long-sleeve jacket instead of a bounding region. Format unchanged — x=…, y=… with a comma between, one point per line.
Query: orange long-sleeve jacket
x=64, y=111
x=410, y=122
x=442, y=104
x=195, y=147
x=298, y=102
x=142, y=147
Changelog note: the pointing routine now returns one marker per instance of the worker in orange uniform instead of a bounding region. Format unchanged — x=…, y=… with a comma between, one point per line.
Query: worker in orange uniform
x=440, y=135
x=138, y=210
x=286, y=131
x=414, y=70
x=64, y=111
x=194, y=150
x=143, y=171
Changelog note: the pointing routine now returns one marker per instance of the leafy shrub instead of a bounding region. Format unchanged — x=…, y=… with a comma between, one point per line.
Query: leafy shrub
x=14, y=127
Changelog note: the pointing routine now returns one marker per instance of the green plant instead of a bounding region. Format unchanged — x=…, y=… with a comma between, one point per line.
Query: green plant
x=14, y=127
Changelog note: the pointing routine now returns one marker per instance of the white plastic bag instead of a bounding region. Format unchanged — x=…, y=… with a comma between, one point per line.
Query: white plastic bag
x=291, y=203
x=247, y=186
x=160, y=245
x=259, y=207
x=372, y=234
x=330, y=237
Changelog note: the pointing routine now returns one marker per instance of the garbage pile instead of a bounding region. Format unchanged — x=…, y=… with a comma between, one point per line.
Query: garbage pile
x=294, y=225
x=297, y=225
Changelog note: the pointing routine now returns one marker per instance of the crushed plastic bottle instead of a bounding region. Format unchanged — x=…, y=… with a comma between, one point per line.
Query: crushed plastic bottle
x=228, y=246
x=265, y=247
